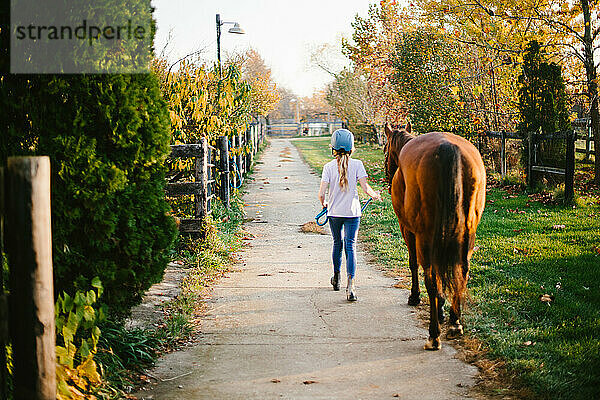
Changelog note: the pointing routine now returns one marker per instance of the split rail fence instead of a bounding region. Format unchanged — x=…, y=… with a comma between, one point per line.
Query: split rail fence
x=219, y=168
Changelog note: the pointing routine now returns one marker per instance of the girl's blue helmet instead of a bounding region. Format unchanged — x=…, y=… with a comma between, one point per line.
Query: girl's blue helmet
x=342, y=139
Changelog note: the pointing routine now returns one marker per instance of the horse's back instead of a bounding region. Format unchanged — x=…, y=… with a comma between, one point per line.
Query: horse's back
x=421, y=169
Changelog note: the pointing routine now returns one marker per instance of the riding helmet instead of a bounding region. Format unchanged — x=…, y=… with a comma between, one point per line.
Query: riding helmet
x=342, y=139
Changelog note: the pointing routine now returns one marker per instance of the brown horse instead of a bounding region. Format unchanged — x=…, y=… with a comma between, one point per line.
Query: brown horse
x=437, y=182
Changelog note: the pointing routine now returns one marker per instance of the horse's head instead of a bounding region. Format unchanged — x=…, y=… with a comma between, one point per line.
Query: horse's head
x=396, y=139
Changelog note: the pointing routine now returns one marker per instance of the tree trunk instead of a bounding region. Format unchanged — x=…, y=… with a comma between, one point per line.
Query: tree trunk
x=592, y=84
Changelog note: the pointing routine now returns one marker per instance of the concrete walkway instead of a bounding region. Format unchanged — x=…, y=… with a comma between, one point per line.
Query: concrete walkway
x=276, y=329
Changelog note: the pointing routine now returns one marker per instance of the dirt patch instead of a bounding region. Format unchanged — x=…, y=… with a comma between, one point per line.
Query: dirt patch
x=312, y=227
x=494, y=381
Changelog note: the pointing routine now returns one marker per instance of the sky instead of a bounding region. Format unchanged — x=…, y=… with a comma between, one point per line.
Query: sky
x=284, y=32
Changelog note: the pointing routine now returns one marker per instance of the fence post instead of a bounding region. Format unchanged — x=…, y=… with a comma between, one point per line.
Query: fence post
x=210, y=160
x=3, y=302
x=201, y=176
x=254, y=139
x=31, y=300
x=570, y=167
x=238, y=157
x=503, y=154
x=234, y=148
x=223, y=142
x=588, y=140
x=529, y=158
x=249, y=147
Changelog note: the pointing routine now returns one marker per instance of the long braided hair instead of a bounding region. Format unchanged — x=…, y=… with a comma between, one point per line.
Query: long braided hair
x=342, y=158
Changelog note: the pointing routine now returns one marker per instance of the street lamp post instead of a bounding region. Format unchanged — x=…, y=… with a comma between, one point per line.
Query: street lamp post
x=235, y=29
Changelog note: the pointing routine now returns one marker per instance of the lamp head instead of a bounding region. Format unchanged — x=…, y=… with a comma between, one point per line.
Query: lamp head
x=236, y=29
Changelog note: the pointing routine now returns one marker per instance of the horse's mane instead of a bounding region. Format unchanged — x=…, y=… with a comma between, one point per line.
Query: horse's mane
x=395, y=142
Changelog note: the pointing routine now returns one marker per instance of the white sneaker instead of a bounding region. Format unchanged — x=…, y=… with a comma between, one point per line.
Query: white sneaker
x=350, y=290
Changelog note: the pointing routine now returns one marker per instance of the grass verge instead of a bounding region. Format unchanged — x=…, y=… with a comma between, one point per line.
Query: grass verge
x=528, y=247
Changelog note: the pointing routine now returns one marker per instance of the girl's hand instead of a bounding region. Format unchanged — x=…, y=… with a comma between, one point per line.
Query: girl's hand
x=377, y=195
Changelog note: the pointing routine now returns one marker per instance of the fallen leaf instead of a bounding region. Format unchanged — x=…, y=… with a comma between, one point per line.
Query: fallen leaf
x=527, y=343
x=546, y=298
x=275, y=380
x=558, y=227
x=309, y=382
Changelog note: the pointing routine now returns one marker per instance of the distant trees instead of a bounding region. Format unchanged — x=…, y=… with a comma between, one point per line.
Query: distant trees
x=350, y=97
x=285, y=108
x=264, y=96
x=315, y=106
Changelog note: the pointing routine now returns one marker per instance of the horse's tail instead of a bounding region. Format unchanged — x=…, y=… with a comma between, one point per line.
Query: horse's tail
x=446, y=245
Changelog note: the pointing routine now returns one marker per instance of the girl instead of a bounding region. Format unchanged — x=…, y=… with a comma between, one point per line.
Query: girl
x=343, y=208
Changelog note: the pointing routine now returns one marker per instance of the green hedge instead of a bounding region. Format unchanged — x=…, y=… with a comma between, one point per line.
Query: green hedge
x=108, y=137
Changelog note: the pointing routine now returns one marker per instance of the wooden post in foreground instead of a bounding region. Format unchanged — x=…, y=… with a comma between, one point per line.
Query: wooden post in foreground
x=3, y=300
x=31, y=302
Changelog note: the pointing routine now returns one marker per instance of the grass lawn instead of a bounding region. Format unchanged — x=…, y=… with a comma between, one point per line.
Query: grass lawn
x=527, y=247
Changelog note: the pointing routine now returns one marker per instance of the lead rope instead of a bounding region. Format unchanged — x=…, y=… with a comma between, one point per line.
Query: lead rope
x=324, y=212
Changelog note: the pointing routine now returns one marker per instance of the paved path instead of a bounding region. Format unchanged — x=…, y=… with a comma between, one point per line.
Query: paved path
x=277, y=323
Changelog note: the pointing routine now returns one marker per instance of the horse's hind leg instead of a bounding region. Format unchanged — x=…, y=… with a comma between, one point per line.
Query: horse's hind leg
x=434, y=342
x=441, y=302
x=456, y=329
x=461, y=274
x=415, y=292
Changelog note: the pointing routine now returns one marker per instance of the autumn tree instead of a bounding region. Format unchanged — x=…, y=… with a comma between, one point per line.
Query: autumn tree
x=569, y=29
x=426, y=66
x=285, y=109
x=373, y=39
x=315, y=106
x=349, y=96
x=202, y=101
x=264, y=96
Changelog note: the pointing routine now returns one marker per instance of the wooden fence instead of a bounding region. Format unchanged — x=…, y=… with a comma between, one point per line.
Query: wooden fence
x=534, y=159
x=583, y=127
x=27, y=318
x=219, y=168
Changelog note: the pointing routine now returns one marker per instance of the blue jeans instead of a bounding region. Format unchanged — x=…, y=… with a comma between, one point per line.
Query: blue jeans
x=350, y=225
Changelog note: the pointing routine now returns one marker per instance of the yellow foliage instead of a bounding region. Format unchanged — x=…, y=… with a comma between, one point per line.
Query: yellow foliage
x=203, y=102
